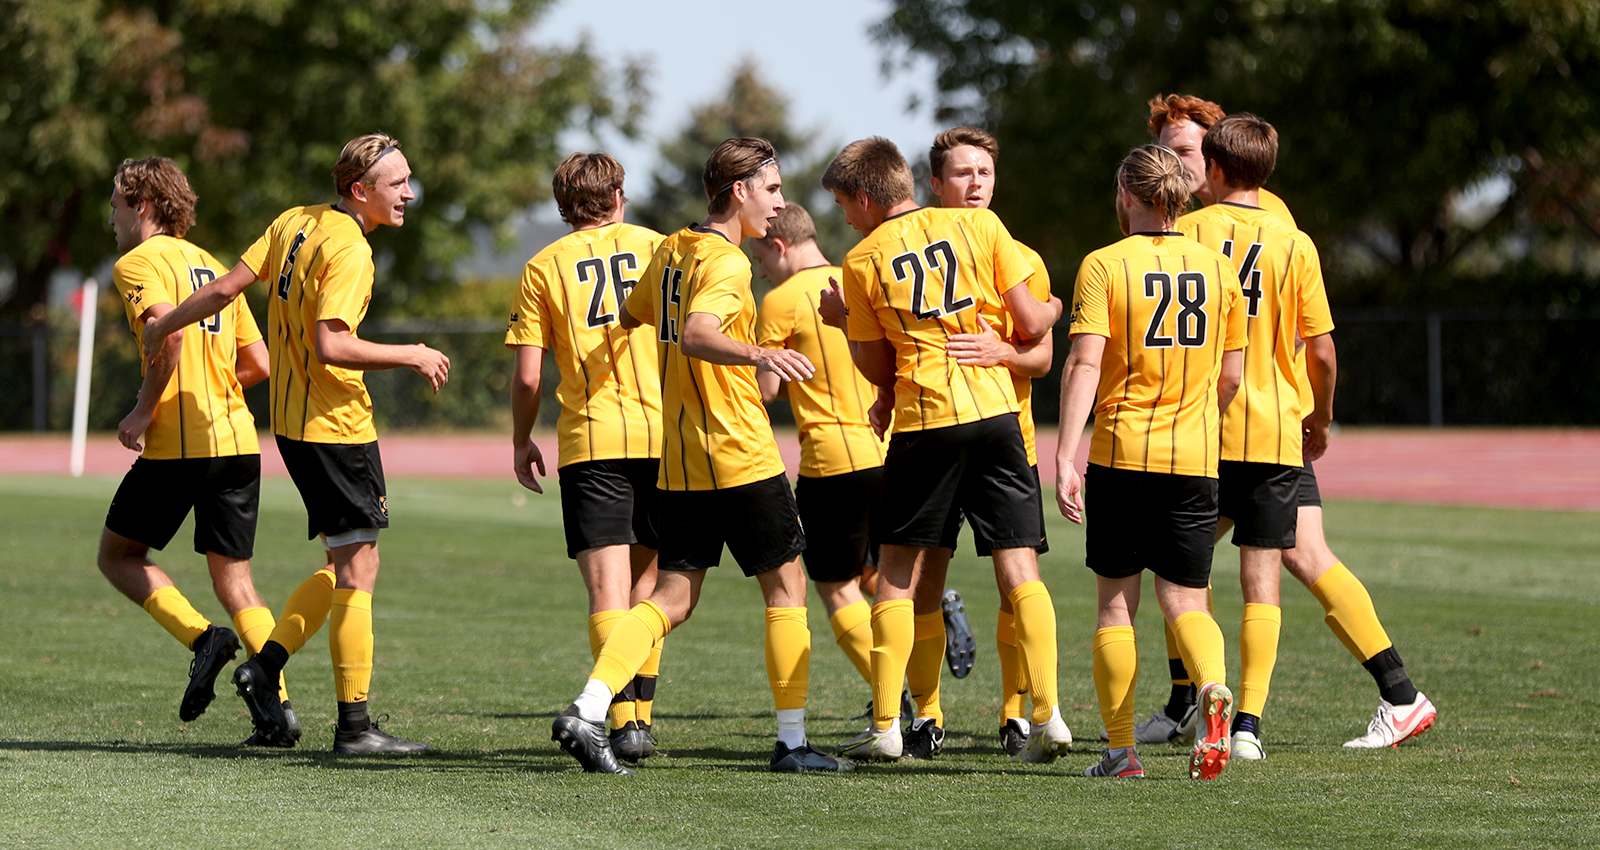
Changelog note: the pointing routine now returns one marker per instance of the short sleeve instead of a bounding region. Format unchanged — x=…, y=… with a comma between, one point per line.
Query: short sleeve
x=1039, y=283
x=346, y=286
x=775, y=324
x=1315, y=317
x=245, y=329
x=862, y=297
x=256, y=256
x=530, y=317
x=641, y=303
x=1010, y=266
x=1236, y=313
x=141, y=287
x=1091, y=300
x=721, y=285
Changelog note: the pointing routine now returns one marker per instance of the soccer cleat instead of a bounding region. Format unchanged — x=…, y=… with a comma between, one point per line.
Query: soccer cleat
x=266, y=712
x=806, y=759
x=1247, y=746
x=1014, y=736
x=876, y=745
x=908, y=709
x=648, y=741
x=292, y=721
x=256, y=739
x=923, y=740
x=631, y=743
x=1122, y=763
x=1392, y=723
x=1046, y=741
x=373, y=741
x=215, y=646
x=1213, y=712
x=1159, y=729
x=1184, y=733
x=959, y=645
x=585, y=742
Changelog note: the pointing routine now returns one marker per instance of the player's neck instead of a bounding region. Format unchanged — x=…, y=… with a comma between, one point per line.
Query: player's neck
x=356, y=211
x=1241, y=197
x=1147, y=221
x=614, y=218
x=727, y=224
x=807, y=256
x=148, y=228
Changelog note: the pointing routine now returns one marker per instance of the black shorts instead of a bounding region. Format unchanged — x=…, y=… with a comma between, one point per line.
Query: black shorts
x=1138, y=520
x=156, y=495
x=341, y=484
x=837, y=512
x=608, y=502
x=984, y=550
x=980, y=469
x=1261, y=500
x=1309, y=496
x=759, y=522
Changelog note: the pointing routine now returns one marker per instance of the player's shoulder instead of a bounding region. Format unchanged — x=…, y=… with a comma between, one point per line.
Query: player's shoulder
x=712, y=247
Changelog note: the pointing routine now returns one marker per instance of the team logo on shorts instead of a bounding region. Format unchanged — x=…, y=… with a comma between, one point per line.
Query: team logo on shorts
x=383, y=504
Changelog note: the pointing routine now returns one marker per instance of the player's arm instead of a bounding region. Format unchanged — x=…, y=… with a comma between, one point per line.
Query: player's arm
x=1322, y=368
x=252, y=365
x=1030, y=358
x=626, y=318
x=207, y=301
x=1079, y=383
x=1034, y=318
x=770, y=385
x=337, y=346
x=525, y=390
x=702, y=338
x=1232, y=375
x=163, y=361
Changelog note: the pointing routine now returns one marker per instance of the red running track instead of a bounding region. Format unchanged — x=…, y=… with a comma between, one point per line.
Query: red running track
x=1508, y=468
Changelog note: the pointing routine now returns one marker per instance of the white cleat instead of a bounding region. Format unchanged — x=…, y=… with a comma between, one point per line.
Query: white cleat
x=1047, y=740
x=1392, y=724
x=1159, y=729
x=1247, y=746
x=875, y=745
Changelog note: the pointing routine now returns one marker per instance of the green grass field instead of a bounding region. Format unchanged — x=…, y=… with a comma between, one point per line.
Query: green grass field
x=481, y=640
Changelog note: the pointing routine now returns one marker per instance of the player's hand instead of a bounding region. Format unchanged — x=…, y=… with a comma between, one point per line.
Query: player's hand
x=1056, y=307
x=786, y=363
x=980, y=349
x=832, y=309
x=133, y=426
x=881, y=415
x=1069, y=492
x=153, y=334
x=524, y=457
x=433, y=365
x=1315, y=441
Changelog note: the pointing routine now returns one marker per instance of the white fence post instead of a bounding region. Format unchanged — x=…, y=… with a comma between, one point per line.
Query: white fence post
x=80, y=398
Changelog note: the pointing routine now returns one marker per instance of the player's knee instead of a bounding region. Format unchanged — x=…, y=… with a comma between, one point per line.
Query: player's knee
x=114, y=550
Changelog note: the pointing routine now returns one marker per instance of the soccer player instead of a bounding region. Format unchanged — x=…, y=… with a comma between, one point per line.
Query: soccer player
x=962, y=163
x=1157, y=328
x=1180, y=122
x=196, y=438
x=841, y=458
x=1280, y=277
x=918, y=276
x=722, y=481
x=320, y=265
x=610, y=424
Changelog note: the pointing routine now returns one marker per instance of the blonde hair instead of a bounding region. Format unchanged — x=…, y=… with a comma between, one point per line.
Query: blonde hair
x=1155, y=176
x=954, y=138
x=585, y=186
x=734, y=161
x=793, y=225
x=360, y=154
x=159, y=181
x=872, y=165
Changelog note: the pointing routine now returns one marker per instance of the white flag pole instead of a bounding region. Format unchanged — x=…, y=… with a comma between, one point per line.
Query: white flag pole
x=80, y=399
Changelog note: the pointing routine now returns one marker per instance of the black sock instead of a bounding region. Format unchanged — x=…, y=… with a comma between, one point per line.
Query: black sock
x=1247, y=723
x=272, y=657
x=1390, y=673
x=1182, y=696
x=353, y=717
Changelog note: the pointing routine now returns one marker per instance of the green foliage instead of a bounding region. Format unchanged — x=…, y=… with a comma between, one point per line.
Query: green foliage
x=255, y=99
x=1387, y=110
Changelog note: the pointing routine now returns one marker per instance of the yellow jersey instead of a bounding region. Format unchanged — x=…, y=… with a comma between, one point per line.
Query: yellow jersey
x=1169, y=307
x=830, y=408
x=1275, y=205
x=715, y=429
x=920, y=277
x=1039, y=288
x=610, y=390
x=319, y=266
x=202, y=412
x=1280, y=278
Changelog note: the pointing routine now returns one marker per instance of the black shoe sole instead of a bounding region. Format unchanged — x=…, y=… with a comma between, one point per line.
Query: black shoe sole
x=572, y=741
x=271, y=731
x=960, y=647
x=222, y=647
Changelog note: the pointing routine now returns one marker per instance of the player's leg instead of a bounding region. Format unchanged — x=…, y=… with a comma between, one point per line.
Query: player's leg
x=643, y=563
x=929, y=649
x=836, y=511
x=1403, y=711
x=1116, y=671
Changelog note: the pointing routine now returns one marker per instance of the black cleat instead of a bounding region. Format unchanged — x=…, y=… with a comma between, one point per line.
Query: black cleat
x=648, y=740
x=585, y=742
x=633, y=742
x=215, y=646
x=261, y=696
x=959, y=645
x=373, y=741
x=292, y=720
x=923, y=741
x=807, y=759
x=1013, y=736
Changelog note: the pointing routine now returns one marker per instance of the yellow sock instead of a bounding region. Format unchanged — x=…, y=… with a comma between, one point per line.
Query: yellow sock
x=305, y=611
x=926, y=664
x=852, y=630
x=600, y=626
x=254, y=626
x=893, y=634
x=1036, y=636
x=1350, y=613
x=788, y=657
x=627, y=648
x=649, y=673
x=173, y=612
x=350, y=643
x=1013, y=670
x=1200, y=640
x=1258, y=654
x=1116, y=669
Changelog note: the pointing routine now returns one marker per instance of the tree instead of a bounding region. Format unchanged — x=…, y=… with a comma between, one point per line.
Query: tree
x=1388, y=110
x=255, y=99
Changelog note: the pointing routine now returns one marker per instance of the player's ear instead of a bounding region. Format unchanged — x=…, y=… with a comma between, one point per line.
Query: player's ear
x=358, y=192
